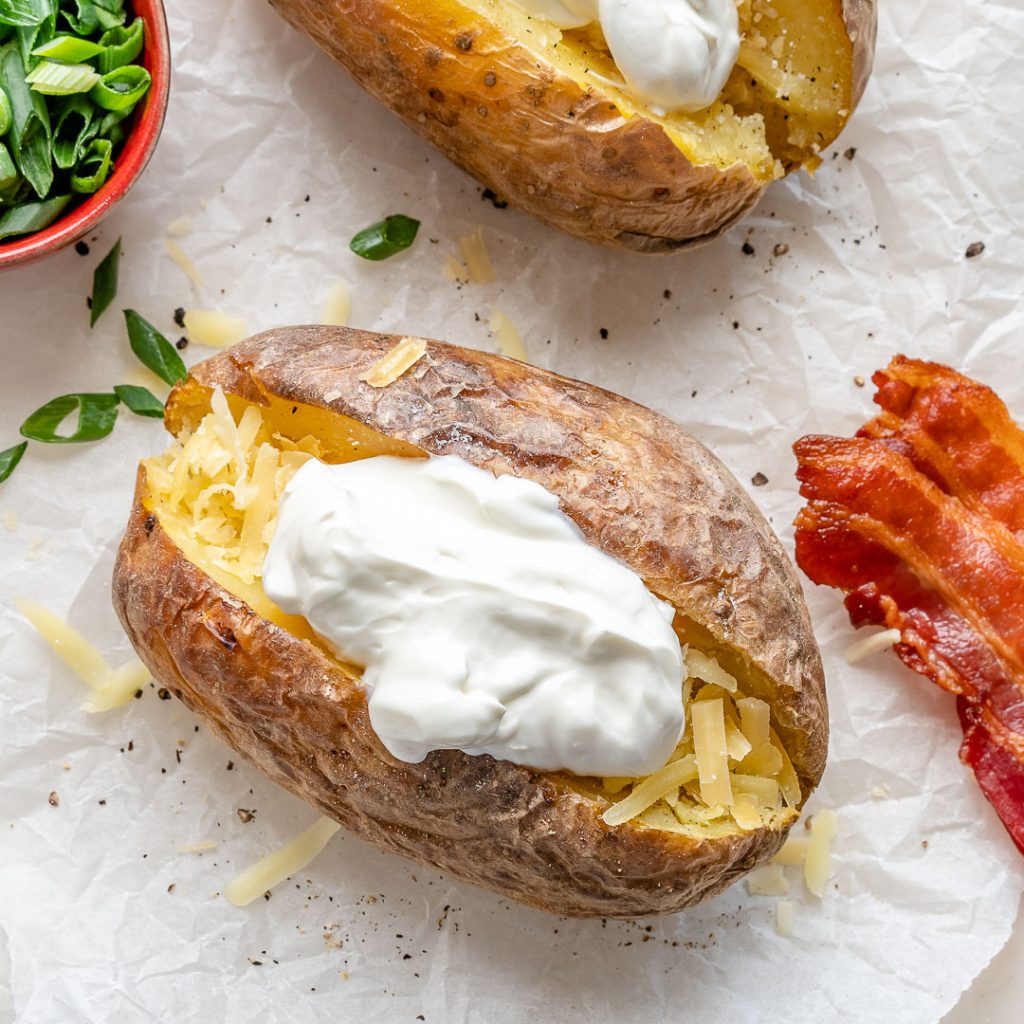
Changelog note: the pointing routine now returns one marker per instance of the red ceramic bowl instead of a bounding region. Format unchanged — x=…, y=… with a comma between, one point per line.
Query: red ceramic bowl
x=146, y=123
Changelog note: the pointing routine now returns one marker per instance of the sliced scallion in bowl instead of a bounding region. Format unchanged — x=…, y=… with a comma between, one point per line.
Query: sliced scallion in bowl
x=68, y=81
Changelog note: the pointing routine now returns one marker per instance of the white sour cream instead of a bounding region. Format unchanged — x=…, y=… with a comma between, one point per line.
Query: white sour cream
x=674, y=54
x=484, y=619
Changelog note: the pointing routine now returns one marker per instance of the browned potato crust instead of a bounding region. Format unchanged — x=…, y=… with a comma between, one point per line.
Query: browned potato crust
x=639, y=487
x=563, y=153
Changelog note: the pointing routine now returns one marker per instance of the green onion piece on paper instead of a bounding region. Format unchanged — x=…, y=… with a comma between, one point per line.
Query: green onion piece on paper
x=140, y=400
x=30, y=217
x=104, y=284
x=121, y=46
x=97, y=414
x=68, y=49
x=9, y=459
x=121, y=88
x=23, y=12
x=153, y=349
x=93, y=167
x=53, y=79
x=74, y=127
x=30, y=123
x=387, y=237
x=8, y=172
x=5, y=113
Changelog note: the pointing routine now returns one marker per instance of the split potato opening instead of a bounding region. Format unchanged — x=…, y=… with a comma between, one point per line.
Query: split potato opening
x=216, y=493
x=789, y=95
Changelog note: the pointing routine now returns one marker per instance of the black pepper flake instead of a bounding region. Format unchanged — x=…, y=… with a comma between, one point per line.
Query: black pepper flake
x=231, y=766
x=974, y=250
x=759, y=479
x=82, y=248
x=170, y=888
x=177, y=756
x=88, y=302
x=131, y=746
x=667, y=293
x=150, y=523
x=490, y=196
x=102, y=803
x=163, y=693
x=748, y=249
x=179, y=317
x=603, y=332
x=464, y=42
x=181, y=343
x=53, y=800
x=245, y=816
x=735, y=325
x=138, y=694
x=780, y=249
x=850, y=153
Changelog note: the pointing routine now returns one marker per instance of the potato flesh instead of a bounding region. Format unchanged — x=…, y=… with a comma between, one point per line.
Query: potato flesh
x=201, y=490
x=789, y=95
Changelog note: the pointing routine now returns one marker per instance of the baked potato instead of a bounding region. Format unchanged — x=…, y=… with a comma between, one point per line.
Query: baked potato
x=536, y=115
x=187, y=589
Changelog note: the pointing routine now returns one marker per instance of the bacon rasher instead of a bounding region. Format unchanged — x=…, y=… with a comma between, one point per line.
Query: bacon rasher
x=920, y=520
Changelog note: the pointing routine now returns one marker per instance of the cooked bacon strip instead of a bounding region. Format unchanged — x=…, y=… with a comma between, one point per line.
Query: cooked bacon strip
x=957, y=432
x=919, y=520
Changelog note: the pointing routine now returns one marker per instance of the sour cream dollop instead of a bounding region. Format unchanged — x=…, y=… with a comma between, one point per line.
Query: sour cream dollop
x=674, y=54
x=484, y=619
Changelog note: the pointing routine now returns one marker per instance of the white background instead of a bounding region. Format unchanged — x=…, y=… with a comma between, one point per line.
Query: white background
x=875, y=265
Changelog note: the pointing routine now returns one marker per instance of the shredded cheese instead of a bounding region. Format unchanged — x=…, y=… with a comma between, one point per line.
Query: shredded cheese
x=68, y=644
x=510, y=343
x=755, y=720
x=201, y=847
x=712, y=752
x=476, y=258
x=704, y=667
x=338, y=307
x=793, y=852
x=394, y=363
x=213, y=328
x=110, y=688
x=454, y=270
x=874, y=644
x=188, y=268
x=767, y=880
x=651, y=790
x=121, y=686
x=784, y=914
x=180, y=227
x=277, y=866
x=819, y=850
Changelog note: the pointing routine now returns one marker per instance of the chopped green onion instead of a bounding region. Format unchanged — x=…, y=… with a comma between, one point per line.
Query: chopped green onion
x=31, y=36
x=93, y=167
x=121, y=46
x=140, y=400
x=5, y=113
x=121, y=88
x=53, y=79
x=9, y=459
x=153, y=349
x=30, y=123
x=110, y=13
x=384, y=239
x=87, y=19
x=68, y=49
x=96, y=417
x=104, y=283
x=74, y=128
x=30, y=217
x=8, y=172
x=23, y=12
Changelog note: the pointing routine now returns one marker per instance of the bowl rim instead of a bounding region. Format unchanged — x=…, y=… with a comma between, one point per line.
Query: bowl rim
x=131, y=162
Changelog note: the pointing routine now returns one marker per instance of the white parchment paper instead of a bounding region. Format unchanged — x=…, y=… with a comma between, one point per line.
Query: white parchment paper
x=278, y=159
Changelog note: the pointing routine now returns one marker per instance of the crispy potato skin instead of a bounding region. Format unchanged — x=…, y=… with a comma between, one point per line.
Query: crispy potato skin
x=639, y=487
x=563, y=154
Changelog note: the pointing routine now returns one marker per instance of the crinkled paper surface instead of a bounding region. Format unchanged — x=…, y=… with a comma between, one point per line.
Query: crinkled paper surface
x=278, y=159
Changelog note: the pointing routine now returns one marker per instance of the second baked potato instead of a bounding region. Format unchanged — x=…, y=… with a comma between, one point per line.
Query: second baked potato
x=187, y=587
x=543, y=118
